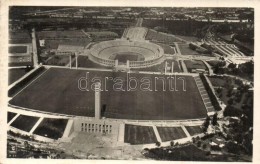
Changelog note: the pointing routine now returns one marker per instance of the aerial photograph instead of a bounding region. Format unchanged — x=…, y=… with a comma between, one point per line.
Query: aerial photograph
x=130, y=83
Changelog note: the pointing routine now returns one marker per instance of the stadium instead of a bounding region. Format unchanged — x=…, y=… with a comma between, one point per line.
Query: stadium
x=49, y=96
x=134, y=54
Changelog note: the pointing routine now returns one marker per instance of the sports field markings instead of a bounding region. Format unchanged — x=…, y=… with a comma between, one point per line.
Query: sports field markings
x=30, y=83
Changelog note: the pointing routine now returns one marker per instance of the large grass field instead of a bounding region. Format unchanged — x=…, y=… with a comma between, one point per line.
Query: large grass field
x=24, y=122
x=193, y=130
x=51, y=128
x=57, y=91
x=171, y=133
x=84, y=62
x=139, y=134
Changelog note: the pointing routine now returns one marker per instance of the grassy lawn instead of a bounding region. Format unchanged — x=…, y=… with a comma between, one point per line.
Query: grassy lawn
x=194, y=64
x=164, y=38
x=160, y=67
x=216, y=81
x=17, y=49
x=58, y=60
x=10, y=116
x=171, y=133
x=185, y=50
x=15, y=74
x=24, y=122
x=167, y=49
x=59, y=89
x=188, y=38
x=84, y=62
x=51, y=128
x=139, y=134
x=193, y=130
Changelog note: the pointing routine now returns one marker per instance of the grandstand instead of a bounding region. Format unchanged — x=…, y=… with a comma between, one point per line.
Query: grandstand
x=149, y=53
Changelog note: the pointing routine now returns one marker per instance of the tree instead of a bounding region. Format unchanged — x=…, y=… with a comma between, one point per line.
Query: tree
x=172, y=143
x=158, y=143
x=206, y=124
x=215, y=119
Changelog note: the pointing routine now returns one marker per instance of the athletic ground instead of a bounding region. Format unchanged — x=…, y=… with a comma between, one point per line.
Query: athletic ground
x=57, y=91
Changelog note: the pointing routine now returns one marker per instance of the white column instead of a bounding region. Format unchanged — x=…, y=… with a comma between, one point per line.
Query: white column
x=172, y=66
x=97, y=101
x=70, y=62
x=76, y=61
x=116, y=63
x=165, y=68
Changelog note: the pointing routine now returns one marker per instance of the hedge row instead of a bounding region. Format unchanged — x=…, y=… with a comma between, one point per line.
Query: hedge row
x=212, y=96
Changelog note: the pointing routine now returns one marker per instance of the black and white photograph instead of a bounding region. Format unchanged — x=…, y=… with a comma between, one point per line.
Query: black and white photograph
x=139, y=83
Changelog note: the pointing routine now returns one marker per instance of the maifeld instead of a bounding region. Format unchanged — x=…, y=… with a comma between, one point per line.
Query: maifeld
x=131, y=83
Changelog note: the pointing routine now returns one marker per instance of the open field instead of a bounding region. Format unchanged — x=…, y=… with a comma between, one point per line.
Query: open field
x=185, y=50
x=10, y=116
x=14, y=61
x=58, y=87
x=193, y=130
x=84, y=62
x=54, y=43
x=167, y=49
x=15, y=74
x=160, y=67
x=60, y=60
x=17, y=49
x=171, y=133
x=24, y=122
x=51, y=128
x=188, y=38
x=160, y=37
x=135, y=134
x=19, y=37
x=61, y=34
x=194, y=64
x=217, y=81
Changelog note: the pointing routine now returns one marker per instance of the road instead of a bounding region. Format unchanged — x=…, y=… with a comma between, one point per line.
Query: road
x=139, y=22
x=34, y=47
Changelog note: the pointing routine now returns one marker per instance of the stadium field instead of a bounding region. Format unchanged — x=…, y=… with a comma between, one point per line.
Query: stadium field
x=24, y=122
x=139, y=134
x=57, y=91
x=51, y=128
x=171, y=133
x=123, y=57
